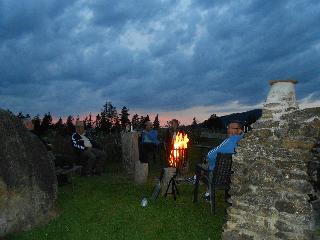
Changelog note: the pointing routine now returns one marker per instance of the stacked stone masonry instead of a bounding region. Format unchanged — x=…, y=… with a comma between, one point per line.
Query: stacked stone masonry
x=271, y=185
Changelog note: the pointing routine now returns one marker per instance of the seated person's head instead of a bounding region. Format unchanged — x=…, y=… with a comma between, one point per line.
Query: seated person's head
x=27, y=122
x=234, y=128
x=148, y=125
x=80, y=127
x=174, y=124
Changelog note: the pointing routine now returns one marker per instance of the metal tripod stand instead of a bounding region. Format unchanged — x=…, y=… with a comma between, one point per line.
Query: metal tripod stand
x=174, y=188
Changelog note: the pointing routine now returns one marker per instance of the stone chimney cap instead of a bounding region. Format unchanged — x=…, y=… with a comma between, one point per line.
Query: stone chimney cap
x=288, y=80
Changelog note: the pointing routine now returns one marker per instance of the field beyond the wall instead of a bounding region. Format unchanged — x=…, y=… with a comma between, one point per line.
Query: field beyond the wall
x=108, y=207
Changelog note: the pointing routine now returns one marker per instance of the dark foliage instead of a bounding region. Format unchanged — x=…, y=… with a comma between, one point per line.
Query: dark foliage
x=37, y=124
x=124, y=117
x=135, y=121
x=70, y=128
x=214, y=122
x=46, y=123
x=156, y=122
x=88, y=122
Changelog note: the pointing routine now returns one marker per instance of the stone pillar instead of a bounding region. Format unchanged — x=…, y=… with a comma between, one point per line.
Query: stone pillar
x=141, y=172
x=281, y=99
x=130, y=151
x=130, y=157
x=270, y=186
x=282, y=94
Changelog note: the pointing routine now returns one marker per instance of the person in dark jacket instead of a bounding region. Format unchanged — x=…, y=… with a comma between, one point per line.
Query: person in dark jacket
x=90, y=152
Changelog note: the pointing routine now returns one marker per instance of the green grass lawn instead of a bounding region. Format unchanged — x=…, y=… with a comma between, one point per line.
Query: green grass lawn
x=108, y=207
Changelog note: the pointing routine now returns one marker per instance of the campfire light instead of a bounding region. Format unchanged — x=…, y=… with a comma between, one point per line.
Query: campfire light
x=177, y=153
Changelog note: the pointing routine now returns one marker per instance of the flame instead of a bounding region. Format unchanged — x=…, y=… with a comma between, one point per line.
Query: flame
x=180, y=142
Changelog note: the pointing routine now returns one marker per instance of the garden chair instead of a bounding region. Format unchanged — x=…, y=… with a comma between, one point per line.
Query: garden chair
x=218, y=179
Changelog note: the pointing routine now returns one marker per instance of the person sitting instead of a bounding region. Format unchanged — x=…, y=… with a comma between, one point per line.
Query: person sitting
x=149, y=142
x=235, y=134
x=91, y=155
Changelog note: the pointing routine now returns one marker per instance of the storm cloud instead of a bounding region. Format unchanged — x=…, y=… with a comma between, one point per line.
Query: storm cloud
x=69, y=57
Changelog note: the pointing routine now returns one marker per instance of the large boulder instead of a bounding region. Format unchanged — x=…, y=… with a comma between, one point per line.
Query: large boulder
x=28, y=184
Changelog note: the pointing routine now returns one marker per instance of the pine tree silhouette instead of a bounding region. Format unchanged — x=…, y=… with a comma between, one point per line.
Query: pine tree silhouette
x=37, y=124
x=156, y=122
x=117, y=125
x=135, y=121
x=89, y=123
x=111, y=113
x=70, y=126
x=124, y=119
x=59, y=124
x=97, y=122
x=104, y=123
x=143, y=120
x=46, y=123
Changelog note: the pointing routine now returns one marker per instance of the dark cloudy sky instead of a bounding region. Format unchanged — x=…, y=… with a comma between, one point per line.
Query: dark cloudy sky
x=177, y=57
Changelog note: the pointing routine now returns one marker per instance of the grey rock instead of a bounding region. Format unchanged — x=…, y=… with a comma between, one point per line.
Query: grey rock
x=283, y=206
x=28, y=185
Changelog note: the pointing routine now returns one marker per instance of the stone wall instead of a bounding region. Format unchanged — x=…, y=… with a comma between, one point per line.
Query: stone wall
x=271, y=188
x=314, y=169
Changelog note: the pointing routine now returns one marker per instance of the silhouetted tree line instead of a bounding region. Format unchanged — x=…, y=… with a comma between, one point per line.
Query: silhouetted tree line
x=218, y=123
x=213, y=122
x=107, y=121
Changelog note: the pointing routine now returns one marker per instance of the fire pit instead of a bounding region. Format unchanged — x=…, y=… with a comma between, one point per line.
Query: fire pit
x=179, y=154
x=178, y=162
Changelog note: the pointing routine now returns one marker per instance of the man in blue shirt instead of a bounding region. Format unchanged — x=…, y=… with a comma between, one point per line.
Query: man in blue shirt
x=235, y=134
x=149, y=135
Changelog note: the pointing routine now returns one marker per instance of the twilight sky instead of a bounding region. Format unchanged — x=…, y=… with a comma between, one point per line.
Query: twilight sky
x=178, y=58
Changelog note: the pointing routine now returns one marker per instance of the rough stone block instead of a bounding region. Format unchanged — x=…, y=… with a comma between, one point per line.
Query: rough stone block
x=284, y=206
x=28, y=184
x=236, y=235
x=290, y=143
x=263, y=133
x=265, y=124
